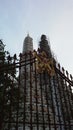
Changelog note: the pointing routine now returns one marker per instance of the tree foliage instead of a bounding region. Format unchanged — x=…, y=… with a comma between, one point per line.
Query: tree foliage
x=8, y=87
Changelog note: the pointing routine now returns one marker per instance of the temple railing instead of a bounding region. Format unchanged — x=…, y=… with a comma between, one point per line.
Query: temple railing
x=35, y=94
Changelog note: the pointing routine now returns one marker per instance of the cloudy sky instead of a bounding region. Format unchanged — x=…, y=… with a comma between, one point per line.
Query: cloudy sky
x=51, y=17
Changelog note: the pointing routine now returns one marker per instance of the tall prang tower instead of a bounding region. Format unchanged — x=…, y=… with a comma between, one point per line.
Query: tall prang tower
x=27, y=47
x=44, y=46
x=27, y=44
x=45, y=90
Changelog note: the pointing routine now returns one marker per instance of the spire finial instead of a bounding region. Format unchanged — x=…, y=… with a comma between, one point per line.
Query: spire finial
x=28, y=34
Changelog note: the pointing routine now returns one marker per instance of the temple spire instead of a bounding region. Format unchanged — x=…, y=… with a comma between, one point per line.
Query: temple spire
x=27, y=44
x=44, y=46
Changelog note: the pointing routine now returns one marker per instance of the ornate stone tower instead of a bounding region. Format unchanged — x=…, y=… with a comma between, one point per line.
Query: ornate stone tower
x=44, y=46
x=27, y=44
x=43, y=94
x=27, y=47
x=37, y=83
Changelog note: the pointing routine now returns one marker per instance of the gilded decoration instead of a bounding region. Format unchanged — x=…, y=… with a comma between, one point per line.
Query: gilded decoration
x=44, y=63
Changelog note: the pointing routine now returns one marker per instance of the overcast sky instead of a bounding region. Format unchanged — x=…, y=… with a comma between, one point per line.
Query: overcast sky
x=51, y=17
